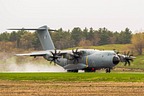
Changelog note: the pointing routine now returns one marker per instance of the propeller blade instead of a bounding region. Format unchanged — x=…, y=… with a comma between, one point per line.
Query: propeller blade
x=128, y=53
x=55, y=56
x=52, y=53
x=75, y=56
x=51, y=61
x=124, y=53
x=127, y=62
x=55, y=51
x=76, y=49
x=131, y=53
x=127, y=58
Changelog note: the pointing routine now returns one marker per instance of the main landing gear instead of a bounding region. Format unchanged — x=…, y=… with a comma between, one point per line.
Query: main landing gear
x=76, y=71
x=108, y=70
x=90, y=70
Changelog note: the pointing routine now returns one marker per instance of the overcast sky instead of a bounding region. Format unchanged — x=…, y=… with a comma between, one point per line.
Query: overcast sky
x=115, y=15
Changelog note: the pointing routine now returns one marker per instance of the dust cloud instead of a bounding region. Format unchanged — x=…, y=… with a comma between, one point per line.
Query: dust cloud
x=33, y=68
x=12, y=66
x=11, y=63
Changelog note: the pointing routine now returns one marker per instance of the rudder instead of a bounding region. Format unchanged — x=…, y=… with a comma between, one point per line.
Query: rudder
x=45, y=38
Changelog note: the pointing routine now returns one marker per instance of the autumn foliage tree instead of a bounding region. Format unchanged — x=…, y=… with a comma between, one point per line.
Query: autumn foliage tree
x=138, y=42
x=85, y=43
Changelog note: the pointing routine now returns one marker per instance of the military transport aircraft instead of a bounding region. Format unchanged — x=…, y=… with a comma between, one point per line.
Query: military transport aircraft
x=88, y=60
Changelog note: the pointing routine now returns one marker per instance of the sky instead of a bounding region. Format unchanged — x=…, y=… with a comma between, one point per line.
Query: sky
x=115, y=15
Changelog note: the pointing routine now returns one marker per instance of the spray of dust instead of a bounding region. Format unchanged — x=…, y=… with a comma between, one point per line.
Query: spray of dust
x=10, y=65
x=33, y=68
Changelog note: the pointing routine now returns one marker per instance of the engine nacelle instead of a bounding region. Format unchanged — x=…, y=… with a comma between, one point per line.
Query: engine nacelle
x=69, y=56
x=47, y=57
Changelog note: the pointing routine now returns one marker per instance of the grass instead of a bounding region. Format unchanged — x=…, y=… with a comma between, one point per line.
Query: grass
x=74, y=77
x=119, y=47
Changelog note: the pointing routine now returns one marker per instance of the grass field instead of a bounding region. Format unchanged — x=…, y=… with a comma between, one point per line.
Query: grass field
x=72, y=84
x=76, y=77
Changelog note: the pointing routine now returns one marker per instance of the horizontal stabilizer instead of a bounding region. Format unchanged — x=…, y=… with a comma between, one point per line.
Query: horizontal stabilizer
x=26, y=29
x=75, y=66
x=37, y=29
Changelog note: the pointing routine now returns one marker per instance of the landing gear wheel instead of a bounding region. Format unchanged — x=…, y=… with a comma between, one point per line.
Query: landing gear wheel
x=87, y=70
x=108, y=70
x=90, y=70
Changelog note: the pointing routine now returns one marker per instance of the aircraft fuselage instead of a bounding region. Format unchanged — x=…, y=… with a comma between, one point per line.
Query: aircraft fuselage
x=94, y=59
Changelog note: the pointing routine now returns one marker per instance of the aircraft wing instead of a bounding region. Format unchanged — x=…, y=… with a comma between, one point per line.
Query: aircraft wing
x=38, y=53
x=42, y=53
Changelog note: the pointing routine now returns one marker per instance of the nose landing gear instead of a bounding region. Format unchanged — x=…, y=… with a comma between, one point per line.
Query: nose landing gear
x=108, y=70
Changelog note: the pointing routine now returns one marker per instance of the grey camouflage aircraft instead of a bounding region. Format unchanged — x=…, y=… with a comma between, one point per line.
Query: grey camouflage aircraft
x=88, y=60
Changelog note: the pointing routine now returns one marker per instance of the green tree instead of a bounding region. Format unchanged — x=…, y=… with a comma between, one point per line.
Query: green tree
x=13, y=36
x=125, y=36
x=76, y=35
x=85, y=33
x=36, y=42
x=104, y=36
x=4, y=36
x=19, y=34
x=96, y=38
x=26, y=40
x=90, y=34
x=116, y=36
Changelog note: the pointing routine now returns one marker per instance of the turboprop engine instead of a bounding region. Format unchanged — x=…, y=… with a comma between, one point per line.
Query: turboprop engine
x=53, y=57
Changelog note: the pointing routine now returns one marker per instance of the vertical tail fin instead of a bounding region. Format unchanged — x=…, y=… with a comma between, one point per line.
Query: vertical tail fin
x=44, y=37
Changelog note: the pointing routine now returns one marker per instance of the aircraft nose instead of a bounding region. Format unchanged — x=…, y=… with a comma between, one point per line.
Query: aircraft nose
x=116, y=60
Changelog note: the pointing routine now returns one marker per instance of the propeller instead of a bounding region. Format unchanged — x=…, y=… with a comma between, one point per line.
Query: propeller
x=55, y=56
x=75, y=56
x=126, y=57
x=116, y=51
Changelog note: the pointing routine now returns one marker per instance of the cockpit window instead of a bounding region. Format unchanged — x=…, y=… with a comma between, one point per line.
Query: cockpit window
x=111, y=54
x=83, y=52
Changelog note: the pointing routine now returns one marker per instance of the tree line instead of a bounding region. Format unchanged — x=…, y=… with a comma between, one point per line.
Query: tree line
x=67, y=39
